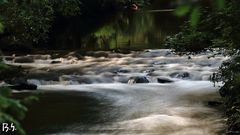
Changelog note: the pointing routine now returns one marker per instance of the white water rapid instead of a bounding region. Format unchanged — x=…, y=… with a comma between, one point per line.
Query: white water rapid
x=178, y=107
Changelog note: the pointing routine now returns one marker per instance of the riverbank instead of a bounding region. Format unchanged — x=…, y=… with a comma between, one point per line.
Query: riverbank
x=230, y=93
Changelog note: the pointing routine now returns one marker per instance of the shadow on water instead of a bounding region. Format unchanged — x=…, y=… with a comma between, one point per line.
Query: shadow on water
x=57, y=110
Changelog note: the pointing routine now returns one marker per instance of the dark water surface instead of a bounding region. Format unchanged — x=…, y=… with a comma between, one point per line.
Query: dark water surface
x=56, y=110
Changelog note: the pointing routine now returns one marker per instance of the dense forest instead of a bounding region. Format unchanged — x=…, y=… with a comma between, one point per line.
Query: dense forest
x=31, y=24
x=46, y=26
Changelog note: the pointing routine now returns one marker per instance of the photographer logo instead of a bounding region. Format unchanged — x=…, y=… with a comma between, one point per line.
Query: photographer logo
x=8, y=127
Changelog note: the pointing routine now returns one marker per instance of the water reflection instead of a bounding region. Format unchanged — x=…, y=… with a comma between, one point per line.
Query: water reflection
x=144, y=29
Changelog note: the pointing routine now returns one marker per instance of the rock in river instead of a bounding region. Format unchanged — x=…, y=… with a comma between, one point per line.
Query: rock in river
x=24, y=86
x=138, y=79
x=164, y=80
x=56, y=62
x=24, y=59
x=21, y=84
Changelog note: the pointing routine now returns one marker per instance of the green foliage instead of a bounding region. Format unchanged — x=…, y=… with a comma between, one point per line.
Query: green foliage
x=26, y=21
x=229, y=74
x=195, y=16
x=218, y=28
x=66, y=7
x=191, y=41
x=195, y=13
x=220, y=4
x=29, y=22
x=194, y=8
x=11, y=110
x=182, y=10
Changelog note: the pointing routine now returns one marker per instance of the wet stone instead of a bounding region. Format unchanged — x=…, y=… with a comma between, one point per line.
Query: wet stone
x=138, y=79
x=24, y=59
x=164, y=80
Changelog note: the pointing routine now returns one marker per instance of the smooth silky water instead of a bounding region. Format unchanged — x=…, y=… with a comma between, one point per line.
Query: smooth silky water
x=92, y=95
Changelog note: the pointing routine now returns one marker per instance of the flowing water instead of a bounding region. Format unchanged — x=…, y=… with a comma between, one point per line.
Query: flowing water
x=92, y=96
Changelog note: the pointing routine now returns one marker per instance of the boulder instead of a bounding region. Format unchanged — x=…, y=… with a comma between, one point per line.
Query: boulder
x=24, y=59
x=24, y=86
x=21, y=84
x=138, y=79
x=55, y=62
x=164, y=80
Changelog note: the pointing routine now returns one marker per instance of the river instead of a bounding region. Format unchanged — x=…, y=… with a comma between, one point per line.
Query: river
x=91, y=95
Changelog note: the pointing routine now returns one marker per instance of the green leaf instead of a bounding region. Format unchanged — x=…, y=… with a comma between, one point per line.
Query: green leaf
x=195, y=16
x=182, y=10
x=220, y=4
